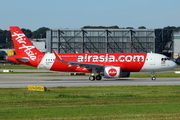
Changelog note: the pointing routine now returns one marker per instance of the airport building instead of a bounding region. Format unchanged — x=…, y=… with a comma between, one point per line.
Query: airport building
x=110, y=41
x=176, y=48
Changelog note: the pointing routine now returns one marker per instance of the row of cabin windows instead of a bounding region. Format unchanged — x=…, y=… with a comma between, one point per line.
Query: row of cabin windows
x=97, y=59
x=162, y=59
x=50, y=59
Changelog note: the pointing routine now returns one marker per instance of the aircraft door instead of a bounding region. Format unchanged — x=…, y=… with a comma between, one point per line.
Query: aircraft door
x=39, y=61
x=152, y=59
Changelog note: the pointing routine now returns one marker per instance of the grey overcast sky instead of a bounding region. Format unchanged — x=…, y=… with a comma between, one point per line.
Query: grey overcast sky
x=74, y=14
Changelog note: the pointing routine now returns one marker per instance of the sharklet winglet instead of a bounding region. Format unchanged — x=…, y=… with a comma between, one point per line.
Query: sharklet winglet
x=58, y=58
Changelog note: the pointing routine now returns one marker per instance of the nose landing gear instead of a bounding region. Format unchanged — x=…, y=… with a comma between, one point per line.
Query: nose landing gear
x=153, y=76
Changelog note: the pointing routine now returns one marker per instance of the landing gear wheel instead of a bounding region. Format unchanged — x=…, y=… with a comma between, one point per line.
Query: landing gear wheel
x=92, y=78
x=98, y=77
x=153, y=78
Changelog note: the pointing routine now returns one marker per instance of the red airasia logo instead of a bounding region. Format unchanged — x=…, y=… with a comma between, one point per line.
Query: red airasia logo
x=112, y=72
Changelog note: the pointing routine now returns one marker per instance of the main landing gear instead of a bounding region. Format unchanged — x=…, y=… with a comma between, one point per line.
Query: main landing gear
x=97, y=77
x=92, y=78
x=153, y=76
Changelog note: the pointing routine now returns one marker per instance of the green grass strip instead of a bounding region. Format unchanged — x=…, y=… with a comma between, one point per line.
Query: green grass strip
x=16, y=67
x=92, y=103
x=145, y=75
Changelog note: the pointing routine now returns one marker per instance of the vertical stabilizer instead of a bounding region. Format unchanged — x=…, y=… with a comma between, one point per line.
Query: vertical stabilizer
x=23, y=45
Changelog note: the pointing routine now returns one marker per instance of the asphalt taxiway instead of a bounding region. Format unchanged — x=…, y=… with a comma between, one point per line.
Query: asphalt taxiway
x=53, y=79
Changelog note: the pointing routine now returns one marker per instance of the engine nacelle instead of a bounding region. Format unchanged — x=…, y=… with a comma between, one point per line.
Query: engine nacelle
x=111, y=71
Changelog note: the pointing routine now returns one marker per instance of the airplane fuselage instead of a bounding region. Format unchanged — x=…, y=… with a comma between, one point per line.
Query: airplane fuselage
x=129, y=62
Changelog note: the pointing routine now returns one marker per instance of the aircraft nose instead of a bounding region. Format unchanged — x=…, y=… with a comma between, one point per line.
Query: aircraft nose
x=173, y=65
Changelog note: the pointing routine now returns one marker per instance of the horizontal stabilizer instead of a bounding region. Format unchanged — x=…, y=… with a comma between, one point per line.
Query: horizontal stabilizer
x=22, y=59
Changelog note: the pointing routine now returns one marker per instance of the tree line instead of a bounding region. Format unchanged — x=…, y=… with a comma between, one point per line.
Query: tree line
x=5, y=37
x=116, y=27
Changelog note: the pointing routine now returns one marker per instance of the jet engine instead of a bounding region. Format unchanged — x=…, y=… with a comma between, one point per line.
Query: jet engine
x=111, y=71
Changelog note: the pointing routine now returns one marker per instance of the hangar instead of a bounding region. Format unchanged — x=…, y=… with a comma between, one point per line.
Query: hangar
x=110, y=41
x=176, y=48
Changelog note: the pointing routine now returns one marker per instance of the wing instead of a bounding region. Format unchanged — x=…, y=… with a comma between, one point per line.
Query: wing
x=86, y=65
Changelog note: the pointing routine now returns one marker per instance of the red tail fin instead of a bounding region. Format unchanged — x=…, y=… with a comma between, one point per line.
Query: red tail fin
x=23, y=45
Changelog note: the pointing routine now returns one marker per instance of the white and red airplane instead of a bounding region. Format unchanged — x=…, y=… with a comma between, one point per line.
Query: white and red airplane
x=103, y=64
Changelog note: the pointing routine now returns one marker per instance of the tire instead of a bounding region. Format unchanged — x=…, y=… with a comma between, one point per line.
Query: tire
x=153, y=78
x=92, y=78
x=98, y=77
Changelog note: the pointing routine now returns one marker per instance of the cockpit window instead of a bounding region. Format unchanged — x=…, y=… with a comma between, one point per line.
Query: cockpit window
x=164, y=59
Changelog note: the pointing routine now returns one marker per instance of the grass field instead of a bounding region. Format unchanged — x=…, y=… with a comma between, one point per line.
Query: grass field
x=158, y=75
x=16, y=67
x=92, y=103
